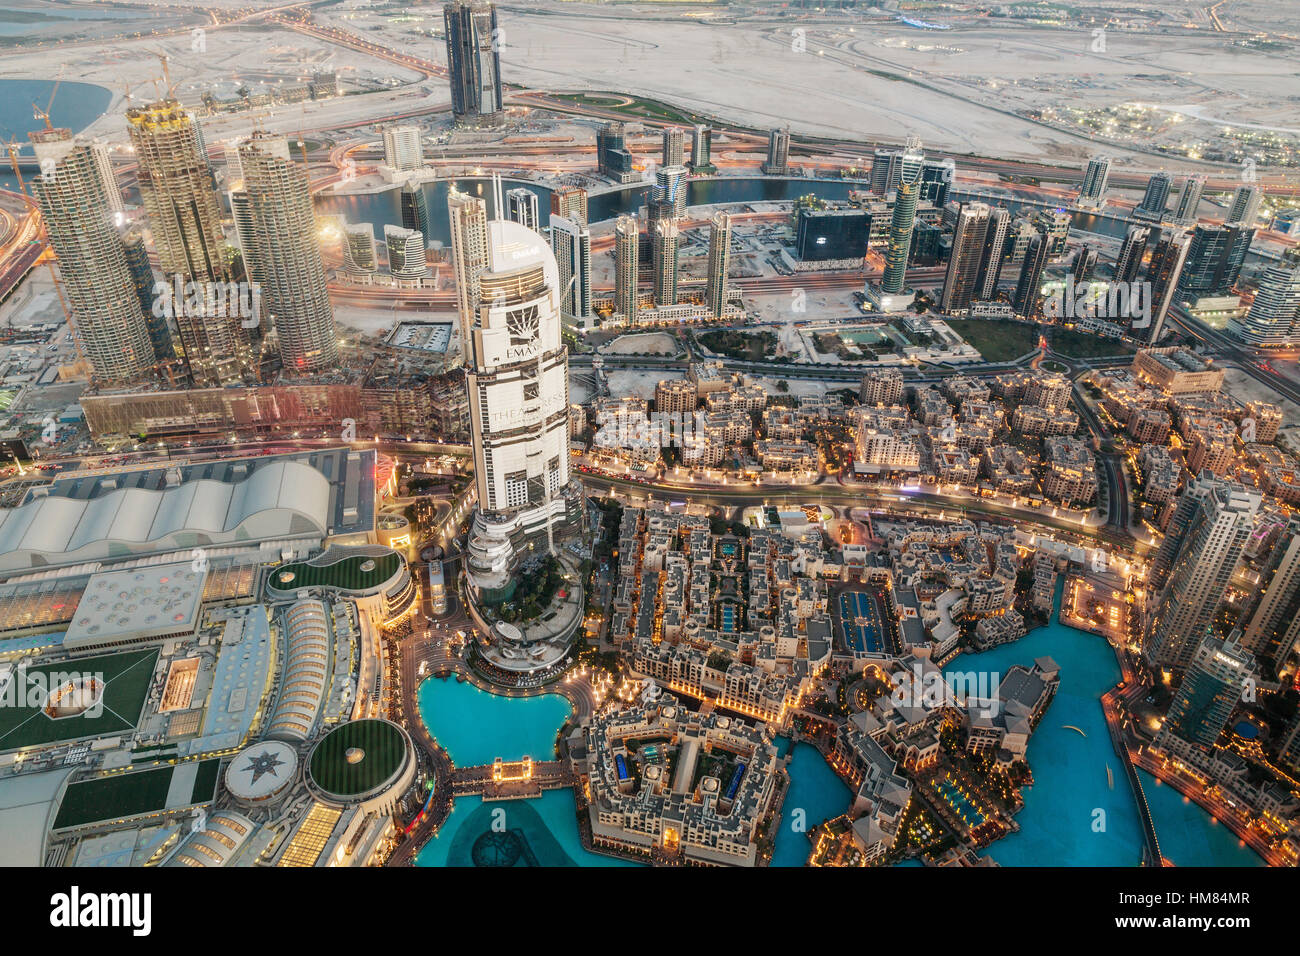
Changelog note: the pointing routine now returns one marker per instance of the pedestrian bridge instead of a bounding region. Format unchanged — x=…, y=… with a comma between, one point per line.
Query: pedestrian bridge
x=507, y=780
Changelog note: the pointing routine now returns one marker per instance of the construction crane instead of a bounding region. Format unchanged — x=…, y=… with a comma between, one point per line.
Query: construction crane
x=13, y=147
x=44, y=114
x=168, y=86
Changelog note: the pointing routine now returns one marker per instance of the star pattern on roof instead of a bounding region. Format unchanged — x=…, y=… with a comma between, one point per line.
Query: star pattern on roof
x=263, y=763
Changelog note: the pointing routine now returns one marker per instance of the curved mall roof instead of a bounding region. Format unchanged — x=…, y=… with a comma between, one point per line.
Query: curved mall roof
x=284, y=499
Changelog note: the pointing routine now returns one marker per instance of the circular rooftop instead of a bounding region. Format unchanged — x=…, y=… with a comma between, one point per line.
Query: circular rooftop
x=261, y=771
x=359, y=760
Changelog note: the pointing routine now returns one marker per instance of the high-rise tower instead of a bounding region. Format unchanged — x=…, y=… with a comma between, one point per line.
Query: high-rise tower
x=402, y=149
x=1271, y=623
x=571, y=244
x=1028, y=301
x=1205, y=698
x=674, y=152
x=959, y=284
x=995, y=241
x=1092, y=190
x=177, y=192
x=517, y=378
x=106, y=315
x=521, y=207
x=778, y=153
x=1156, y=198
x=626, y=261
x=474, y=62
x=1274, y=316
x=1189, y=200
x=1243, y=210
x=1190, y=573
x=719, y=263
x=904, y=217
x=664, y=240
x=283, y=225
x=176, y=188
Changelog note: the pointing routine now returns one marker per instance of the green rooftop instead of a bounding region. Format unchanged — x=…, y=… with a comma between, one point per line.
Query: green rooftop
x=135, y=794
x=125, y=677
x=356, y=573
x=357, y=757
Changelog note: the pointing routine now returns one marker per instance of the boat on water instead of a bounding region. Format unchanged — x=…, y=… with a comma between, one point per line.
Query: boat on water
x=1074, y=728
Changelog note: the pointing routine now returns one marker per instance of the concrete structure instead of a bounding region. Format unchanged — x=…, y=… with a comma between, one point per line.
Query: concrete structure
x=283, y=220
x=112, y=333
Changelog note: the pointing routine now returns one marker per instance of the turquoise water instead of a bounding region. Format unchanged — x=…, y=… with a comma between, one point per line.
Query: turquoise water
x=547, y=824
x=1059, y=824
x=816, y=794
x=960, y=804
x=475, y=727
x=1070, y=782
x=1188, y=835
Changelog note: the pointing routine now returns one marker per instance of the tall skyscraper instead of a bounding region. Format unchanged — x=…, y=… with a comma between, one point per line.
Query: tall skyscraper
x=517, y=379
x=674, y=153
x=937, y=178
x=142, y=275
x=992, y=256
x=284, y=234
x=405, y=252
x=1190, y=572
x=1271, y=623
x=359, y=255
x=571, y=203
x=626, y=261
x=613, y=159
x=474, y=62
x=1189, y=200
x=1131, y=252
x=701, y=149
x=106, y=315
x=104, y=165
x=469, y=248
x=521, y=207
x=178, y=194
x=1156, y=198
x=1205, y=698
x=1244, y=208
x=1163, y=272
x=1028, y=300
x=885, y=167
x=414, y=207
x=402, y=149
x=903, y=218
x=1214, y=261
x=1274, y=316
x=719, y=263
x=670, y=187
x=1085, y=261
x=571, y=244
x=778, y=153
x=1092, y=191
x=664, y=240
x=959, y=284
